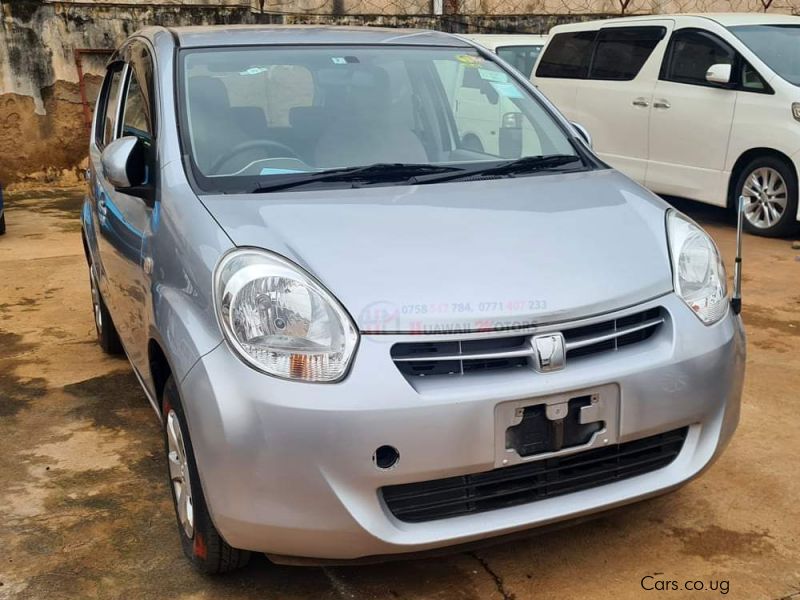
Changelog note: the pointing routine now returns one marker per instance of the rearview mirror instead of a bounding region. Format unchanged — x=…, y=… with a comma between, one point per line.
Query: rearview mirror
x=125, y=166
x=719, y=74
x=583, y=133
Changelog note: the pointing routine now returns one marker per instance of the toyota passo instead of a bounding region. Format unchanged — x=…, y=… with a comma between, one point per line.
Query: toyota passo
x=385, y=299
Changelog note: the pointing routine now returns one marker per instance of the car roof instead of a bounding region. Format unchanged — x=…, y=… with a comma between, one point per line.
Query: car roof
x=492, y=40
x=724, y=19
x=258, y=35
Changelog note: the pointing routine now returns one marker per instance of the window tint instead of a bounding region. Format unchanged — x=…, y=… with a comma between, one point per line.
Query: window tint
x=692, y=53
x=521, y=57
x=622, y=51
x=135, y=120
x=568, y=55
x=107, y=116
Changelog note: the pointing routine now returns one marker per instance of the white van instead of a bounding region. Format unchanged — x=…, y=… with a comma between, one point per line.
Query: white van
x=486, y=105
x=518, y=50
x=705, y=107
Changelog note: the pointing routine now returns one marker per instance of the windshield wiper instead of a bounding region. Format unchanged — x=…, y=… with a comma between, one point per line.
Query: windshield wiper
x=526, y=164
x=375, y=173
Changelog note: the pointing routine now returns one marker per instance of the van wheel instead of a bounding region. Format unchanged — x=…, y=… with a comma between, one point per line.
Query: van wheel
x=107, y=335
x=200, y=540
x=769, y=187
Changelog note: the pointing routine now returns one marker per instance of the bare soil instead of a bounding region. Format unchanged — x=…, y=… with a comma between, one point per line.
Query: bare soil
x=85, y=510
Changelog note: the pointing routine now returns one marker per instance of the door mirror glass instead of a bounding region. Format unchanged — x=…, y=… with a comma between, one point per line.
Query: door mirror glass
x=583, y=133
x=719, y=73
x=124, y=165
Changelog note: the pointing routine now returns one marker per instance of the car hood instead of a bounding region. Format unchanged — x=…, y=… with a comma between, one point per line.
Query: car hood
x=466, y=256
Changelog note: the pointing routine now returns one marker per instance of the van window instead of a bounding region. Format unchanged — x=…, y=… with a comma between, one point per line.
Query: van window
x=776, y=45
x=690, y=55
x=622, y=51
x=568, y=55
x=522, y=58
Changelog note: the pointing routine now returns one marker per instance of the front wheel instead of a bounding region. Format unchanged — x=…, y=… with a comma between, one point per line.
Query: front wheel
x=202, y=544
x=769, y=187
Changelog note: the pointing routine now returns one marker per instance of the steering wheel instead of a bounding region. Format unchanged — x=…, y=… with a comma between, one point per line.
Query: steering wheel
x=250, y=145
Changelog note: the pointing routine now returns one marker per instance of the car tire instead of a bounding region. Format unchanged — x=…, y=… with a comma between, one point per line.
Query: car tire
x=770, y=188
x=3, y=224
x=201, y=542
x=107, y=335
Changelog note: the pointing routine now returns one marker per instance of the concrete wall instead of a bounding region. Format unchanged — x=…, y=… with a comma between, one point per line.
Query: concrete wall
x=42, y=132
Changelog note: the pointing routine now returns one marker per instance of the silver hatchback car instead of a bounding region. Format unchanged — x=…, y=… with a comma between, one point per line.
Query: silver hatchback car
x=385, y=299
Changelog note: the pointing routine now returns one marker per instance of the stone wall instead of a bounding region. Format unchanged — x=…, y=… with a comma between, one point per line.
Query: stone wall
x=42, y=130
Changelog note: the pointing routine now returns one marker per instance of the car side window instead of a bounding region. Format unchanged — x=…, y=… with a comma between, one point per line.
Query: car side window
x=621, y=52
x=690, y=55
x=136, y=114
x=105, y=127
x=751, y=80
x=568, y=55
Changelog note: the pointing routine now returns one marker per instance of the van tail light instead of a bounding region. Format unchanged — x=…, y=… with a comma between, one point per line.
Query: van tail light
x=796, y=110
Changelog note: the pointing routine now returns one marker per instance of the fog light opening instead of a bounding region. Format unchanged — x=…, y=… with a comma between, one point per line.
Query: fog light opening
x=386, y=457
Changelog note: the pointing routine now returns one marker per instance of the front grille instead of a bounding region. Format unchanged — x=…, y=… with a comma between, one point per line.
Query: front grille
x=463, y=357
x=532, y=481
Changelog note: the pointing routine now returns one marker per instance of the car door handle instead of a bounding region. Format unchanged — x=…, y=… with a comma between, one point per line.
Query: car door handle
x=101, y=207
x=641, y=102
x=661, y=104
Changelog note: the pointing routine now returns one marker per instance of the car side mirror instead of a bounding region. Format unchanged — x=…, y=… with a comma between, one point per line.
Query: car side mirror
x=126, y=167
x=583, y=133
x=719, y=74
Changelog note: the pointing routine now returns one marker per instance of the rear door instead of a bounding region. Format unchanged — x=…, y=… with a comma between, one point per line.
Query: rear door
x=614, y=102
x=604, y=80
x=691, y=119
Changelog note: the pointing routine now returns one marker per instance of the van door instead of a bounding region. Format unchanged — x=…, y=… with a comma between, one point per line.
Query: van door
x=691, y=119
x=614, y=102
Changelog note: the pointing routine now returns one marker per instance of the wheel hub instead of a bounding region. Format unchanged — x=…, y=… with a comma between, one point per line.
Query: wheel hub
x=179, y=474
x=766, y=194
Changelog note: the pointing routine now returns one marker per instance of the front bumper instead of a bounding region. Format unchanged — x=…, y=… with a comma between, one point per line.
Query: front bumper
x=287, y=467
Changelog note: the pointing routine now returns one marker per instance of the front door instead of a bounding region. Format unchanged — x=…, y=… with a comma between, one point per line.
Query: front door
x=124, y=221
x=691, y=119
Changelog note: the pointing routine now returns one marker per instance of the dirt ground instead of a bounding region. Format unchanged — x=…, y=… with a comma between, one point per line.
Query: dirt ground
x=85, y=509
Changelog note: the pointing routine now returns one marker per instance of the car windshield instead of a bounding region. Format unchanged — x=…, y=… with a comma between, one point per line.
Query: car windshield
x=252, y=117
x=776, y=45
x=521, y=57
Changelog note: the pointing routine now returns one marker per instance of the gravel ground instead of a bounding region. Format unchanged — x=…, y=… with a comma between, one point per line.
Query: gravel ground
x=85, y=509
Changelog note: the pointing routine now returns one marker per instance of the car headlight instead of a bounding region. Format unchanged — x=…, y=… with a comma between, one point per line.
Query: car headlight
x=697, y=269
x=281, y=320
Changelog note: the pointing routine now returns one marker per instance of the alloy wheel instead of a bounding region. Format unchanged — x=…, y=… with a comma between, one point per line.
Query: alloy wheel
x=765, y=197
x=179, y=474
